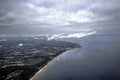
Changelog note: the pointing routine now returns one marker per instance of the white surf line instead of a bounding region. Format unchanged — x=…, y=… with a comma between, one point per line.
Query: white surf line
x=33, y=78
x=49, y=62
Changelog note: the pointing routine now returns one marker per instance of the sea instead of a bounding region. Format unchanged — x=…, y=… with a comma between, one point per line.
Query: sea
x=98, y=58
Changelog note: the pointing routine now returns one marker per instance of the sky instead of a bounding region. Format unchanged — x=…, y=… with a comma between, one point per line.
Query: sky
x=58, y=16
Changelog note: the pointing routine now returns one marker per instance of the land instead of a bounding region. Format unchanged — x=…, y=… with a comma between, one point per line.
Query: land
x=22, y=57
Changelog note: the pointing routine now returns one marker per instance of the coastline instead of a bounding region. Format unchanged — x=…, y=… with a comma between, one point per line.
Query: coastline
x=33, y=55
x=44, y=65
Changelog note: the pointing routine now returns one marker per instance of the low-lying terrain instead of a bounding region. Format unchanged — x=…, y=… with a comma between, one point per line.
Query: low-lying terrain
x=21, y=58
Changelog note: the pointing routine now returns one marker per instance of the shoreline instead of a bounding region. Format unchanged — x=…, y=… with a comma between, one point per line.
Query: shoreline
x=44, y=65
x=33, y=56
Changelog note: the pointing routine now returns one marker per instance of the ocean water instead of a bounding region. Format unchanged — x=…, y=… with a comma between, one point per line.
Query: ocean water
x=97, y=59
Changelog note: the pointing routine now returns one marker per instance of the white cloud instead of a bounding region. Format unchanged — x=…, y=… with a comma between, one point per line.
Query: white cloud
x=74, y=35
x=52, y=15
x=60, y=15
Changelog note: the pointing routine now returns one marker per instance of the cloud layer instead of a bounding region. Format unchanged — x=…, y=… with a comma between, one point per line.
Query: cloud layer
x=73, y=35
x=48, y=16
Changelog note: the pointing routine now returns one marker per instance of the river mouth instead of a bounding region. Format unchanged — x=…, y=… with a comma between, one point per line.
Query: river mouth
x=97, y=59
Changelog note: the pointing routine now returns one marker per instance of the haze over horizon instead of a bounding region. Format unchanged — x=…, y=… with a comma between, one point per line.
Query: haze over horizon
x=58, y=16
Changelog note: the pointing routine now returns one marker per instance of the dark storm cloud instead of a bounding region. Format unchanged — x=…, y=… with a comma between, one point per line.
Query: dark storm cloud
x=47, y=16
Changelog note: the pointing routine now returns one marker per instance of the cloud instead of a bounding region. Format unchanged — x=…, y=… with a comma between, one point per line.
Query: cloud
x=36, y=14
x=53, y=15
x=74, y=35
x=58, y=15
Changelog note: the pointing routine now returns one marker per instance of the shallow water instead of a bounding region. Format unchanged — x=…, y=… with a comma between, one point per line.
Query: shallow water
x=97, y=59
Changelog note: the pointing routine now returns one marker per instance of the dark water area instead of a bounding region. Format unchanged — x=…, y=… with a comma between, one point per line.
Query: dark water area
x=97, y=59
